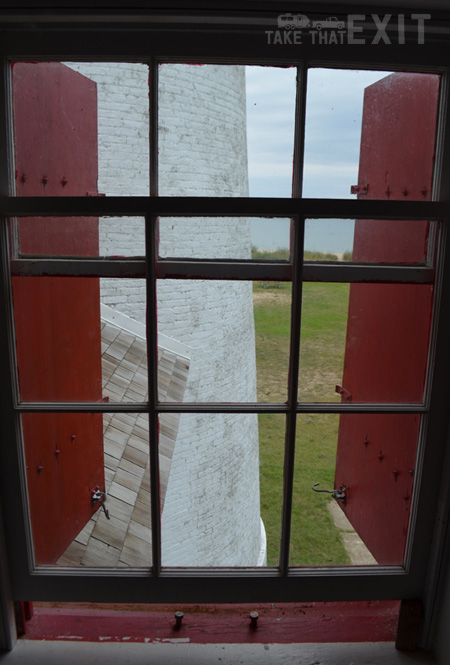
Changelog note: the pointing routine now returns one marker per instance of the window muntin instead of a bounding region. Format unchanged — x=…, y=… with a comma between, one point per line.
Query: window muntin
x=388, y=215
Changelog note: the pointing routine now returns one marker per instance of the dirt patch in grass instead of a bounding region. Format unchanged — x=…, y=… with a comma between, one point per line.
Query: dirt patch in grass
x=322, y=345
x=271, y=294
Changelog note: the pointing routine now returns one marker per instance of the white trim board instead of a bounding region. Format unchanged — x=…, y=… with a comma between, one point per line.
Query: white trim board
x=137, y=328
x=180, y=651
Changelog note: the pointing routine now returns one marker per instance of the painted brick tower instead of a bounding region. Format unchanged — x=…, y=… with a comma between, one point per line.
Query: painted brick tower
x=211, y=511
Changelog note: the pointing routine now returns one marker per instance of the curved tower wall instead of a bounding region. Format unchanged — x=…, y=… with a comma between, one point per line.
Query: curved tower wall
x=211, y=513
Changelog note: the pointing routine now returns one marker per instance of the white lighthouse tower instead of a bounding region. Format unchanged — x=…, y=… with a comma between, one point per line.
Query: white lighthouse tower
x=211, y=512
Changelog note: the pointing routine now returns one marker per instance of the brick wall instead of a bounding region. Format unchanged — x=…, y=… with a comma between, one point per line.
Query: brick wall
x=211, y=514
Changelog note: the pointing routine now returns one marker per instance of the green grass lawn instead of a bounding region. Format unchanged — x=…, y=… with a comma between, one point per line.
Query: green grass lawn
x=315, y=540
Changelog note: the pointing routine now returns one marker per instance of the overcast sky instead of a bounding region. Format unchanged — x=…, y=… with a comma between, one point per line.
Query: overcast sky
x=333, y=133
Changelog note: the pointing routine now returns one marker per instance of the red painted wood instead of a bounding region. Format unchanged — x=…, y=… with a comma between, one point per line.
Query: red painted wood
x=282, y=624
x=20, y=617
x=23, y=611
x=57, y=320
x=388, y=325
x=55, y=123
x=28, y=609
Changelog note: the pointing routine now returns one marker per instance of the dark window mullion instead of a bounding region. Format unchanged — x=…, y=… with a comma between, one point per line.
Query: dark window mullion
x=153, y=126
x=152, y=331
x=282, y=272
x=299, y=132
x=79, y=267
x=222, y=270
x=152, y=362
x=201, y=206
x=291, y=416
x=220, y=407
x=297, y=249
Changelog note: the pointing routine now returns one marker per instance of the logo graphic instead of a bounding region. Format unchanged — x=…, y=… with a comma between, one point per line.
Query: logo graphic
x=293, y=21
x=299, y=21
x=356, y=29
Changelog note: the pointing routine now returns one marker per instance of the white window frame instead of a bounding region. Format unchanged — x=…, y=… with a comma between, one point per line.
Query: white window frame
x=157, y=39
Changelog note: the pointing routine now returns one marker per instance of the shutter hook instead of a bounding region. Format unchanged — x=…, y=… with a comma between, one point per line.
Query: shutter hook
x=100, y=497
x=338, y=494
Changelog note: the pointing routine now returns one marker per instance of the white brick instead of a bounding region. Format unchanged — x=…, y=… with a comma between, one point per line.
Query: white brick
x=211, y=514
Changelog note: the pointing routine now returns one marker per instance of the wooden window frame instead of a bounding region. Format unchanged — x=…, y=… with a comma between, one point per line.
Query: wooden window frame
x=159, y=39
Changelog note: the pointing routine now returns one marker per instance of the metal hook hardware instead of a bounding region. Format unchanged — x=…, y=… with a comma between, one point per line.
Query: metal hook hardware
x=339, y=494
x=254, y=620
x=178, y=619
x=100, y=497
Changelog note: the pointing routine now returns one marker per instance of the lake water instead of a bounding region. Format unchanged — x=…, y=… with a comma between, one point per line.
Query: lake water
x=325, y=235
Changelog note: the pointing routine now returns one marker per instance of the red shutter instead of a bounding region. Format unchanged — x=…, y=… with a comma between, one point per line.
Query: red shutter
x=57, y=320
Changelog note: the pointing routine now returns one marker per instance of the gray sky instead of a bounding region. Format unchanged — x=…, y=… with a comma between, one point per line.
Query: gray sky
x=333, y=132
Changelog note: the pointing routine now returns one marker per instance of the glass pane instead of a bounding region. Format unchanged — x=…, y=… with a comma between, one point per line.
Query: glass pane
x=271, y=460
x=124, y=358
x=272, y=312
x=315, y=540
x=364, y=342
x=359, y=126
x=204, y=122
x=81, y=129
x=377, y=241
x=234, y=338
x=212, y=514
x=328, y=239
x=270, y=239
x=323, y=336
x=124, y=296
x=394, y=241
x=271, y=96
x=214, y=319
x=121, y=236
x=370, y=460
x=76, y=463
x=224, y=238
x=58, y=338
x=80, y=340
x=80, y=236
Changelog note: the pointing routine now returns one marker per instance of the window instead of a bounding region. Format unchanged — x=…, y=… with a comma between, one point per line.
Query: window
x=164, y=215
